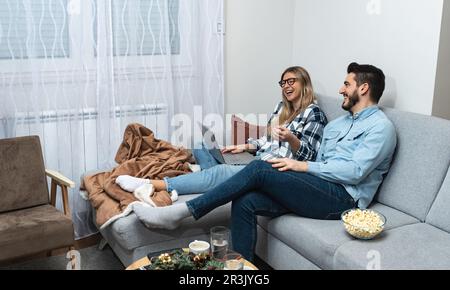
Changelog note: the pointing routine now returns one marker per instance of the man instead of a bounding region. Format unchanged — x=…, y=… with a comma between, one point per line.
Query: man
x=355, y=154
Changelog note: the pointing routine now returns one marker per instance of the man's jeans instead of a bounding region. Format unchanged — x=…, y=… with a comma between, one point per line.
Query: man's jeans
x=259, y=189
x=212, y=174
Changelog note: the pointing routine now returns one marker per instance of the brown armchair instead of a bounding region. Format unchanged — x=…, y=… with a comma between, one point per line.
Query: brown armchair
x=29, y=222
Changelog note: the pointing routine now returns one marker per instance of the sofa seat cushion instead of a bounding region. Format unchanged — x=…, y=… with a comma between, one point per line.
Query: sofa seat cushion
x=131, y=233
x=27, y=231
x=416, y=246
x=439, y=215
x=318, y=240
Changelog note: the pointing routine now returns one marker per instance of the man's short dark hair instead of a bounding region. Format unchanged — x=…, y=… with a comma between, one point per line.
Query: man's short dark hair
x=365, y=73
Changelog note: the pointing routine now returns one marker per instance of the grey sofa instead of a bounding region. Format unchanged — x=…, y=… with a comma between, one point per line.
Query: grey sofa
x=414, y=197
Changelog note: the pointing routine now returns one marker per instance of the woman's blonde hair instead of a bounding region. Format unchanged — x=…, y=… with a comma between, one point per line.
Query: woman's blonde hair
x=307, y=96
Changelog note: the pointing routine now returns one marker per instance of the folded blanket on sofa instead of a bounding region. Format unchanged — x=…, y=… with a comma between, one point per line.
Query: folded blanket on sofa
x=139, y=155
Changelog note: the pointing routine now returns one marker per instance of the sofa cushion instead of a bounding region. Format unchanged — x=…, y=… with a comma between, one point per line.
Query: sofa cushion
x=274, y=252
x=22, y=174
x=420, y=163
x=33, y=230
x=394, y=218
x=242, y=130
x=331, y=106
x=439, y=214
x=417, y=246
x=317, y=240
x=131, y=233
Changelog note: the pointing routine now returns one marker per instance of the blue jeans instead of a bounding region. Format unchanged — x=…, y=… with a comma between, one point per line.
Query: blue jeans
x=212, y=174
x=259, y=189
x=201, y=181
x=203, y=157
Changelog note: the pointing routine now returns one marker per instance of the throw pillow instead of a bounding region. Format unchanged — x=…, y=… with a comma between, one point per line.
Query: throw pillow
x=242, y=130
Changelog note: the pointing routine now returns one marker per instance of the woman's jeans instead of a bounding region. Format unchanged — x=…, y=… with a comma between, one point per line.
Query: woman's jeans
x=203, y=157
x=212, y=174
x=259, y=189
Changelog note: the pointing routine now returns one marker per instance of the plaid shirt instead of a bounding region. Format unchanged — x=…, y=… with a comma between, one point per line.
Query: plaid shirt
x=307, y=126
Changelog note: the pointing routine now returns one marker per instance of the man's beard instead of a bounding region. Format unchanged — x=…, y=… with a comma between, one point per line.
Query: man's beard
x=351, y=101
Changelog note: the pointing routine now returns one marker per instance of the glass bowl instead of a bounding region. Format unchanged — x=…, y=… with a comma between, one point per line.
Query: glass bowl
x=363, y=224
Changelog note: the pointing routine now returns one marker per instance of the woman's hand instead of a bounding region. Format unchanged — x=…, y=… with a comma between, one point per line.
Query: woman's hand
x=283, y=134
x=234, y=148
x=285, y=164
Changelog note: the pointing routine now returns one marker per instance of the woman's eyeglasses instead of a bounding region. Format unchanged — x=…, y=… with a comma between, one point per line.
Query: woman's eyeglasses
x=290, y=82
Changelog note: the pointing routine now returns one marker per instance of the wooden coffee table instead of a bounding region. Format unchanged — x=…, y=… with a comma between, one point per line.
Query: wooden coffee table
x=145, y=261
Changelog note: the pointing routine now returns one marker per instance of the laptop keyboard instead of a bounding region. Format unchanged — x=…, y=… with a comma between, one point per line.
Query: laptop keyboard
x=238, y=159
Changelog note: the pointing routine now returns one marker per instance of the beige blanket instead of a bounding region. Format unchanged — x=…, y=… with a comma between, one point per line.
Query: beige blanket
x=140, y=155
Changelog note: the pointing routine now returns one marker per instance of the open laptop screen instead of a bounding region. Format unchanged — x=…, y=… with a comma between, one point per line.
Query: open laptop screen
x=209, y=140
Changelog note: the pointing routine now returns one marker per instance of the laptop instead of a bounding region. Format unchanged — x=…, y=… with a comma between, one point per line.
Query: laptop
x=243, y=158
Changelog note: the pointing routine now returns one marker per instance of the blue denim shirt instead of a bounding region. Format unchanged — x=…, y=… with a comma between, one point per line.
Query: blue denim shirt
x=356, y=152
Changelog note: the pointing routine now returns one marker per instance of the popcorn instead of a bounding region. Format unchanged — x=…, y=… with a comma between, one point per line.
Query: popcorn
x=363, y=224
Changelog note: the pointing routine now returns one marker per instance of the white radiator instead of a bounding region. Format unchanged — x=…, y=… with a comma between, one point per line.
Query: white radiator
x=62, y=132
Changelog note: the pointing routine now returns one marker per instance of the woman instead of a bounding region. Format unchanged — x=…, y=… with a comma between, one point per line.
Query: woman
x=300, y=133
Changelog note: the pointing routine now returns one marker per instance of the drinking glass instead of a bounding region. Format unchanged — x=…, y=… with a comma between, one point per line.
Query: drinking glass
x=275, y=142
x=233, y=261
x=220, y=238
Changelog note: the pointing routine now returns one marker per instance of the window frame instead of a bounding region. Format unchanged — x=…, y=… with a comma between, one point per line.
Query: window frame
x=82, y=63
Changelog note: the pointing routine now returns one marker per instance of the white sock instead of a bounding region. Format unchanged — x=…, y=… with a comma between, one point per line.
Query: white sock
x=167, y=217
x=194, y=167
x=130, y=183
x=144, y=193
x=174, y=195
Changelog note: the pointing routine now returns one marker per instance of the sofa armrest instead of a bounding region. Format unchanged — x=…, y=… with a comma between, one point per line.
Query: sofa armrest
x=63, y=182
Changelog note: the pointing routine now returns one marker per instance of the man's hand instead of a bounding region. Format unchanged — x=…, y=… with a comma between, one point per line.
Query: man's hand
x=285, y=164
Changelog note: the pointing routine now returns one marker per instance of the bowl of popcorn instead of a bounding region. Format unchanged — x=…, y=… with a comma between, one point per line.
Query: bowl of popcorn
x=363, y=223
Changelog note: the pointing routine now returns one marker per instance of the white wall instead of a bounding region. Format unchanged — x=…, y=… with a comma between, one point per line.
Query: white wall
x=441, y=103
x=258, y=47
x=403, y=40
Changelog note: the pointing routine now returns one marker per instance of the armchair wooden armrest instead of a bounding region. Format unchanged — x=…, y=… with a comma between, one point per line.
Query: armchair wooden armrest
x=63, y=182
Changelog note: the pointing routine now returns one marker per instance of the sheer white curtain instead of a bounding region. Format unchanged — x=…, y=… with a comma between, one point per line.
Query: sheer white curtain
x=76, y=72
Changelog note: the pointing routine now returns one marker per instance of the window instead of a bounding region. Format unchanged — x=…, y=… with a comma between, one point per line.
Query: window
x=33, y=29
x=140, y=27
